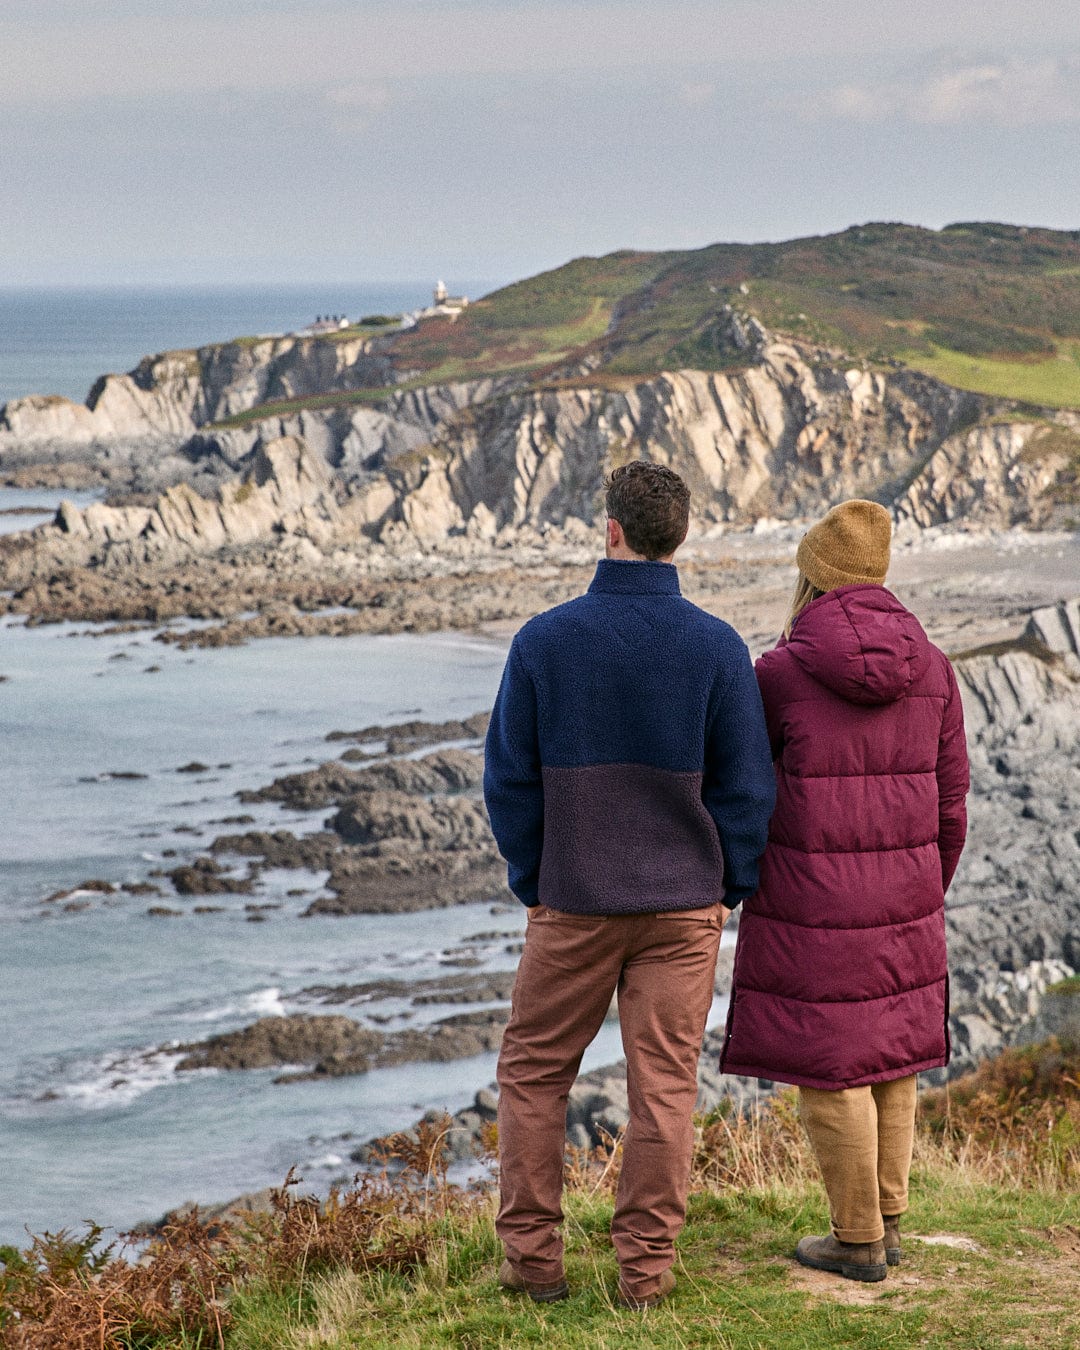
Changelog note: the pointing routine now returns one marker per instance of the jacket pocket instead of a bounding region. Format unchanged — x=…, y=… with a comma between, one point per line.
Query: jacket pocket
x=705, y=914
x=559, y=917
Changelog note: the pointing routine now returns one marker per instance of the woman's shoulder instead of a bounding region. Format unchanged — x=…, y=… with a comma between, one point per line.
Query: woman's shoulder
x=938, y=678
x=775, y=658
x=775, y=669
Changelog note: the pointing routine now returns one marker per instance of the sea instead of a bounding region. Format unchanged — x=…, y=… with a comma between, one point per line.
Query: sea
x=96, y=993
x=58, y=340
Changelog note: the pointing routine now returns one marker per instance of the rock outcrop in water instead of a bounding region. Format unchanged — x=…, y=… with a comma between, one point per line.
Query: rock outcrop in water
x=405, y=834
x=331, y=1045
x=1013, y=913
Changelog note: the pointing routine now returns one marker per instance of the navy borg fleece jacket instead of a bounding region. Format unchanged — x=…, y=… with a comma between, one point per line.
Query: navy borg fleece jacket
x=628, y=767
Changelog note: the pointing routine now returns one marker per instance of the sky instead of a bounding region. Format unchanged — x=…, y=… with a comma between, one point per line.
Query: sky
x=211, y=141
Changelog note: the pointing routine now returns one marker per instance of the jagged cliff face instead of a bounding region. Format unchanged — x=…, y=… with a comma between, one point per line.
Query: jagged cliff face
x=787, y=434
x=1020, y=875
x=168, y=397
x=1013, y=911
x=783, y=437
x=285, y=493
x=1004, y=473
x=779, y=438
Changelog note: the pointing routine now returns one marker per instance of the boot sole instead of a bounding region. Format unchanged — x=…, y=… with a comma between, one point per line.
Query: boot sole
x=892, y=1256
x=641, y=1304
x=514, y=1283
x=868, y=1274
x=555, y=1295
x=661, y=1295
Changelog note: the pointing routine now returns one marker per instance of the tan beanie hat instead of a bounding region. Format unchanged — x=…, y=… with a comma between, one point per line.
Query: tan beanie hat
x=848, y=547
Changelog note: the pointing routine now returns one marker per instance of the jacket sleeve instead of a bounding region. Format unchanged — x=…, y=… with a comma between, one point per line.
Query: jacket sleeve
x=952, y=783
x=765, y=668
x=513, y=787
x=739, y=788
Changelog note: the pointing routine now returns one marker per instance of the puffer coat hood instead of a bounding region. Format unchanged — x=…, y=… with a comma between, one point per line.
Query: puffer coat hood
x=861, y=643
x=841, y=977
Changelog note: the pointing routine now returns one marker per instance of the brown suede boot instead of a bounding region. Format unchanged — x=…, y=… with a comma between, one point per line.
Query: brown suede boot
x=640, y=1302
x=853, y=1260
x=511, y=1278
x=892, y=1238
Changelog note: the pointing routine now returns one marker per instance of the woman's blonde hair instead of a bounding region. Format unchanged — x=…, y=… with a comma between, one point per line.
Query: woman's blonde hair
x=805, y=592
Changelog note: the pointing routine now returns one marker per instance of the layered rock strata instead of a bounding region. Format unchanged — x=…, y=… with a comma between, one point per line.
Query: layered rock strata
x=457, y=470
x=166, y=398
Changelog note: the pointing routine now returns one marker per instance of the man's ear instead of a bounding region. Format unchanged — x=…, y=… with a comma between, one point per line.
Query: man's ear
x=615, y=535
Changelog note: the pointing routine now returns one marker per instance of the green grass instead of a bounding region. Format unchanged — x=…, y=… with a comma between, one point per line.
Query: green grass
x=361, y=330
x=406, y=1260
x=353, y=332
x=738, y=1286
x=982, y=306
x=583, y=329
x=287, y=407
x=1052, y=382
x=247, y=340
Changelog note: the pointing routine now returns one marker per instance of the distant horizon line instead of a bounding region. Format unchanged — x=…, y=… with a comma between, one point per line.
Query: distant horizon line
x=396, y=284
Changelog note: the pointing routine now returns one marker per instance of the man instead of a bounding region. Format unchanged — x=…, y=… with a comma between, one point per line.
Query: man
x=629, y=784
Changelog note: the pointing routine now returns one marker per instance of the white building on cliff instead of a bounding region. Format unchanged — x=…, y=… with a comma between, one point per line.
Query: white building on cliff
x=443, y=306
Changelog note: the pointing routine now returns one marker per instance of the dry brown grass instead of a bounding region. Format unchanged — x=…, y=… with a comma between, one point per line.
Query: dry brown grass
x=1014, y=1123
x=73, y=1293
x=1015, y=1120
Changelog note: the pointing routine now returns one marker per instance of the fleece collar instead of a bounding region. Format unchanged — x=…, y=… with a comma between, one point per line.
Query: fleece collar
x=615, y=576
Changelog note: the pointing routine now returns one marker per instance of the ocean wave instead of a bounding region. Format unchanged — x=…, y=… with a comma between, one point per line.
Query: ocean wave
x=265, y=1002
x=322, y=1163
x=118, y=1079
x=259, y=1003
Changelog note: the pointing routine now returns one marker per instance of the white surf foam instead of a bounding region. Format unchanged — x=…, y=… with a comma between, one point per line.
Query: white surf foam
x=119, y=1079
x=265, y=1003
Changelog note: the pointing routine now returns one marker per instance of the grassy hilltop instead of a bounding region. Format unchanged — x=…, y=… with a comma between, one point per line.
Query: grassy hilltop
x=408, y=1260
x=981, y=306
x=994, y=308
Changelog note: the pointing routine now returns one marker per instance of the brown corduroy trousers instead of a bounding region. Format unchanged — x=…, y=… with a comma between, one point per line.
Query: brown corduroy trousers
x=862, y=1138
x=663, y=966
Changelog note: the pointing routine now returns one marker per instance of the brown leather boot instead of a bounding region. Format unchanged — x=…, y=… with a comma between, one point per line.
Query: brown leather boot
x=892, y=1238
x=511, y=1278
x=853, y=1260
x=640, y=1302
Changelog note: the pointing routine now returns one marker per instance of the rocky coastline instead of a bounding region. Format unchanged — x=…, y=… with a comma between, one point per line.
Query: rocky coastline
x=410, y=824
x=468, y=507
x=417, y=509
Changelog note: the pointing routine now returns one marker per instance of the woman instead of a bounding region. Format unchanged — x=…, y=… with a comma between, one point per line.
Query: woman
x=841, y=983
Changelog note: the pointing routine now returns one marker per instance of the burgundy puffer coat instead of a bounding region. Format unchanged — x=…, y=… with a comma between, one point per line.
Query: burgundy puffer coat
x=840, y=969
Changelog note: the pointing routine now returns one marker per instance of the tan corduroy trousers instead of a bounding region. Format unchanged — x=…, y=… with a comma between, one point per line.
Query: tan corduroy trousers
x=663, y=966
x=862, y=1138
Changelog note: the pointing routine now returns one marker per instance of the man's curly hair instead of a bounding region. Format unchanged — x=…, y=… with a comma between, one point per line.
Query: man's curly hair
x=652, y=504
